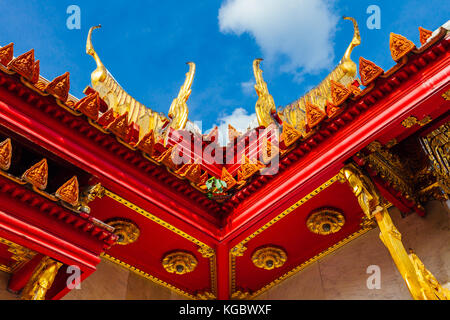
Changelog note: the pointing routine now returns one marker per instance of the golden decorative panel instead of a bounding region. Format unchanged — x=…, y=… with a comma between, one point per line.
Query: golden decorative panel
x=325, y=221
x=269, y=258
x=126, y=231
x=179, y=263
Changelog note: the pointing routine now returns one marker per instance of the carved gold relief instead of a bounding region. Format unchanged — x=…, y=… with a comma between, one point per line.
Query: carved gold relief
x=269, y=258
x=241, y=295
x=207, y=252
x=238, y=251
x=424, y=35
x=390, y=168
x=325, y=221
x=89, y=195
x=69, y=192
x=5, y=154
x=37, y=175
x=6, y=54
x=60, y=87
x=413, y=121
x=205, y=296
x=430, y=287
x=126, y=231
x=41, y=280
x=179, y=263
x=400, y=46
x=389, y=235
x=437, y=147
x=368, y=71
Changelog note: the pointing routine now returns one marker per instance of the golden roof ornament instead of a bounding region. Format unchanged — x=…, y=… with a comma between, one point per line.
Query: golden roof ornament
x=265, y=105
x=6, y=54
x=368, y=71
x=118, y=100
x=178, y=112
x=24, y=65
x=69, y=192
x=400, y=46
x=345, y=73
x=37, y=175
x=60, y=87
x=424, y=35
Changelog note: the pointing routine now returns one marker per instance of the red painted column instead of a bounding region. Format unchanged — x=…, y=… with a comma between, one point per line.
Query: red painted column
x=223, y=271
x=20, y=278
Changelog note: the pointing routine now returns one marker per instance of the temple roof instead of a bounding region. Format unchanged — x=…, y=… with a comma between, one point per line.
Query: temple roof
x=109, y=108
x=186, y=206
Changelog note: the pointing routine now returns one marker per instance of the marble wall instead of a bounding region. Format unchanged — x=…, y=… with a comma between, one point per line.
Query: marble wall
x=112, y=282
x=340, y=275
x=343, y=274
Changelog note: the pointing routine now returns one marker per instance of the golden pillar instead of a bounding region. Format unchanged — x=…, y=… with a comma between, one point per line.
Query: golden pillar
x=41, y=280
x=421, y=283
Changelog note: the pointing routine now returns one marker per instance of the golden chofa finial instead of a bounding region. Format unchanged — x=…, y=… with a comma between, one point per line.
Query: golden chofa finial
x=99, y=74
x=178, y=112
x=265, y=105
x=347, y=64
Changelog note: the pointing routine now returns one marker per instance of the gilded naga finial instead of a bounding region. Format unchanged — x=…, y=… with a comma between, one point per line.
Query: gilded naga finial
x=99, y=74
x=178, y=112
x=347, y=64
x=118, y=99
x=265, y=105
x=344, y=73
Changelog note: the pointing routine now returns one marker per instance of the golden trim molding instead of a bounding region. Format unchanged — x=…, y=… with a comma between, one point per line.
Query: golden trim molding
x=413, y=121
x=20, y=254
x=206, y=251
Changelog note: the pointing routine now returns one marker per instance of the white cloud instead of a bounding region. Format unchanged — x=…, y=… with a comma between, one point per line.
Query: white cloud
x=239, y=119
x=248, y=87
x=300, y=30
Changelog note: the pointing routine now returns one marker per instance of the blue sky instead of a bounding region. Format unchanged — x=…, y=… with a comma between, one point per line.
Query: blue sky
x=145, y=45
